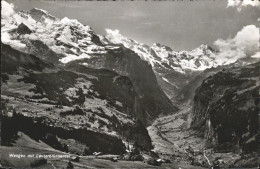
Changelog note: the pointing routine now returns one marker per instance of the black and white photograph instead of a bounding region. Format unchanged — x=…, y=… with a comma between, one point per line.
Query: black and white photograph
x=130, y=84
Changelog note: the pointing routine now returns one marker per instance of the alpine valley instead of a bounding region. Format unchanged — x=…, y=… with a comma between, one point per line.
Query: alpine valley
x=108, y=101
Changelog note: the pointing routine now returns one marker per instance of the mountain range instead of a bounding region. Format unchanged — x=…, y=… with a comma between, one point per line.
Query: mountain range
x=61, y=78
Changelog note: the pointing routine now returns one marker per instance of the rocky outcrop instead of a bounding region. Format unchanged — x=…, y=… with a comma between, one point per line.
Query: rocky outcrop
x=23, y=29
x=226, y=108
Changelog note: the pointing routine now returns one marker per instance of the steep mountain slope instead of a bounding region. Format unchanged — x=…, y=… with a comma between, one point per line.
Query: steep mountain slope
x=12, y=60
x=68, y=42
x=97, y=103
x=163, y=58
x=176, y=69
x=64, y=40
x=226, y=108
x=217, y=124
x=63, y=83
x=173, y=69
x=187, y=92
x=150, y=100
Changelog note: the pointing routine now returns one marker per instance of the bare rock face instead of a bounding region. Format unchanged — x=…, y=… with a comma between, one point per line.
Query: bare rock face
x=23, y=29
x=226, y=108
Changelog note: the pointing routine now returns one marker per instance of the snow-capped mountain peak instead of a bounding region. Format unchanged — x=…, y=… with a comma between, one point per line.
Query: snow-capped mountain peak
x=72, y=40
x=66, y=37
x=163, y=58
x=39, y=15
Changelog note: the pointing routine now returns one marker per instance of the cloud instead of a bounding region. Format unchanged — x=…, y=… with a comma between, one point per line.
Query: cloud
x=257, y=55
x=243, y=3
x=244, y=44
x=114, y=36
x=7, y=9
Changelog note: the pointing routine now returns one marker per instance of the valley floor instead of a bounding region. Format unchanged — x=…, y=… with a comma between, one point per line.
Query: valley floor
x=171, y=135
x=173, y=139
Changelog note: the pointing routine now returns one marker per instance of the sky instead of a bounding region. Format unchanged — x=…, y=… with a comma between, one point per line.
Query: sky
x=181, y=25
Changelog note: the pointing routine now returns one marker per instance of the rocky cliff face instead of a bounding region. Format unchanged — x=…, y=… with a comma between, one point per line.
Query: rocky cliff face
x=150, y=100
x=226, y=108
